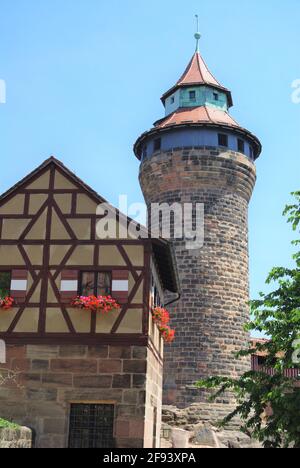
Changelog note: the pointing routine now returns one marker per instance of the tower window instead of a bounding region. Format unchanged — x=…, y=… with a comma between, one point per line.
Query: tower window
x=251, y=152
x=223, y=140
x=216, y=96
x=192, y=95
x=241, y=146
x=144, y=155
x=172, y=100
x=157, y=144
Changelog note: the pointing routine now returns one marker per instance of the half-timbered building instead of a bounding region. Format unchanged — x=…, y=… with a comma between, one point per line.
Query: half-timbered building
x=82, y=379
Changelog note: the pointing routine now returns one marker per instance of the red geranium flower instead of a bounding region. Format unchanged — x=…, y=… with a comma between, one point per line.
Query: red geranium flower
x=6, y=303
x=95, y=304
x=162, y=318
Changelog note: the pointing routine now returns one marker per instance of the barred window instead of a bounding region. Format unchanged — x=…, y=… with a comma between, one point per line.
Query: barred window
x=91, y=426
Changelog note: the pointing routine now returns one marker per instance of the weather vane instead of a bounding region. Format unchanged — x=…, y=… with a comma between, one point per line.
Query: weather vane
x=197, y=35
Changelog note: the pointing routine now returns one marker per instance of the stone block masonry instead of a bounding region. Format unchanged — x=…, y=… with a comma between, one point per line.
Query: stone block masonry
x=16, y=438
x=51, y=378
x=213, y=309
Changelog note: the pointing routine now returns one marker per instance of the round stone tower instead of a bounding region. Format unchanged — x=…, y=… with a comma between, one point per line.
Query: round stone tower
x=199, y=154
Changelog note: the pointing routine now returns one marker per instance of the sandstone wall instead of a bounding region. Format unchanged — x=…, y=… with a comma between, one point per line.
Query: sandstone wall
x=154, y=384
x=213, y=309
x=16, y=438
x=50, y=378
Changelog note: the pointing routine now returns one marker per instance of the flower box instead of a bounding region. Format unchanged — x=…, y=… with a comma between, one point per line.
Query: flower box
x=104, y=304
x=162, y=318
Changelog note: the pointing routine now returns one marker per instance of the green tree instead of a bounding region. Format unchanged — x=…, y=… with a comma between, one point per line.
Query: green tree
x=277, y=315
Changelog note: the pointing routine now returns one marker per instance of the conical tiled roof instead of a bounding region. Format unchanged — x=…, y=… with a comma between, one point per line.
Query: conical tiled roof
x=197, y=73
x=199, y=115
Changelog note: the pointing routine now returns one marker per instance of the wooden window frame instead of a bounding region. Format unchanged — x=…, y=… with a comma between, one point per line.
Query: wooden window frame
x=95, y=272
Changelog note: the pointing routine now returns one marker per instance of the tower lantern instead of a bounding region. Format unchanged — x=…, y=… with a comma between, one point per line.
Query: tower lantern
x=198, y=153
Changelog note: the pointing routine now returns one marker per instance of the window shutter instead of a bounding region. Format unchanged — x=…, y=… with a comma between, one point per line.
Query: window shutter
x=120, y=285
x=18, y=285
x=68, y=285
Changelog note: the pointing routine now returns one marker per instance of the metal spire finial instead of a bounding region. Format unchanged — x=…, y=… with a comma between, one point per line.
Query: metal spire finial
x=197, y=35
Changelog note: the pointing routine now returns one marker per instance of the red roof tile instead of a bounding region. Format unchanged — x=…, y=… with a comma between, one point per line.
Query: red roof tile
x=197, y=73
x=203, y=114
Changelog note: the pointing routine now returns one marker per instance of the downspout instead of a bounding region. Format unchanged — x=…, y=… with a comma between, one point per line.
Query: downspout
x=174, y=300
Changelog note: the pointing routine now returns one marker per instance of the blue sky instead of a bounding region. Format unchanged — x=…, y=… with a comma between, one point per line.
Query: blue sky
x=84, y=78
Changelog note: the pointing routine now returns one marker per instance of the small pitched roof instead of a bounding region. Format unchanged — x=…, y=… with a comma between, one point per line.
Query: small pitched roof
x=197, y=73
x=162, y=249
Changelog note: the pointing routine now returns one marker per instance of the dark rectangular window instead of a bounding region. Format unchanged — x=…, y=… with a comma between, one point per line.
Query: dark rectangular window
x=95, y=283
x=155, y=295
x=91, y=426
x=144, y=153
x=157, y=300
x=5, y=280
x=261, y=360
x=192, y=95
x=216, y=96
x=251, y=152
x=157, y=144
x=241, y=146
x=223, y=140
x=172, y=100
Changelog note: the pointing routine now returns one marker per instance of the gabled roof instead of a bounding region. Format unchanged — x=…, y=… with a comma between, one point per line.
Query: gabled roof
x=162, y=249
x=197, y=73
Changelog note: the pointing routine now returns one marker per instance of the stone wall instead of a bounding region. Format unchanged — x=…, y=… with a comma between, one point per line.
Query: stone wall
x=213, y=309
x=52, y=377
x=16, y=438
x=154, y=390
x=201, y=423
